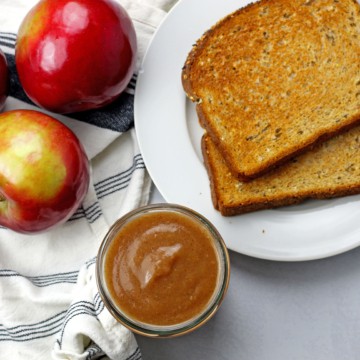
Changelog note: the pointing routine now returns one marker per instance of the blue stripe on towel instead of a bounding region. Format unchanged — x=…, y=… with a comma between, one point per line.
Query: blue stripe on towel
x=29, y=332
x=44, y=280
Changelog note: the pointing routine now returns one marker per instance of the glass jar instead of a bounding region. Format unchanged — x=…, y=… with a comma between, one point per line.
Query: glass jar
x=162, y=270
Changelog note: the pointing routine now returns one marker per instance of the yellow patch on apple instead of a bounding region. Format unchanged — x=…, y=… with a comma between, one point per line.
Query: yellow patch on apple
x=24, y=163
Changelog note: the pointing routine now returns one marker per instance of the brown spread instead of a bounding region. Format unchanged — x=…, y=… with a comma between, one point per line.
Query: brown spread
x=162, y=268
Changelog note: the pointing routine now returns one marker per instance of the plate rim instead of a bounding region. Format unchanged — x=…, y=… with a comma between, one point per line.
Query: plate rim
x=172, y=16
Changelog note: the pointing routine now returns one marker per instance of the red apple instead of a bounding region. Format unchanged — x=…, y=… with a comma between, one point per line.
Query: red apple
x=44, y=171
x=75, y=55
x=4, y=80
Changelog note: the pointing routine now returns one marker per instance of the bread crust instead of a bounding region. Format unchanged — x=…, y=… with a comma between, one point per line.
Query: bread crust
x=249, y=168
x=285, y=186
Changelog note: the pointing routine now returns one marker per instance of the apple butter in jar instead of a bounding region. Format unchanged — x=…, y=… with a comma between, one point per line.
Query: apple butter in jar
x=163, y=270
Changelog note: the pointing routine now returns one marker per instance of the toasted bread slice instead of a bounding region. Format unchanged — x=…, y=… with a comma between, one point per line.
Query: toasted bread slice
x=332, y=169
x=272, y=79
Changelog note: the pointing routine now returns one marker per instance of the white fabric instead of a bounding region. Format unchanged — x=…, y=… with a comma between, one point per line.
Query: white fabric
x=49, y=302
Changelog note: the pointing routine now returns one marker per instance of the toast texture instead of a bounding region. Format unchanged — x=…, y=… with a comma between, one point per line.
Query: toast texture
x=275, y=78
x=332, y=169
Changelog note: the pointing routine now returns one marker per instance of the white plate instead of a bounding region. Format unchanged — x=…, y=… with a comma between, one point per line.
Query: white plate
x=169, y=138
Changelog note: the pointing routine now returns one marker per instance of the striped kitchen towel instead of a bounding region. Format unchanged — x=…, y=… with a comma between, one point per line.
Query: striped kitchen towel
x=49, y=303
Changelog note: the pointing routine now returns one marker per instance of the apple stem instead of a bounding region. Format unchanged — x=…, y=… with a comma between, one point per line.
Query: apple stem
x=3, y=204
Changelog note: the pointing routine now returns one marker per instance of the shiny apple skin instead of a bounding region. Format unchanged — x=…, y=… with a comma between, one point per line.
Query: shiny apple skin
x=4, y=80
x=44, y=171
x=75, y=55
